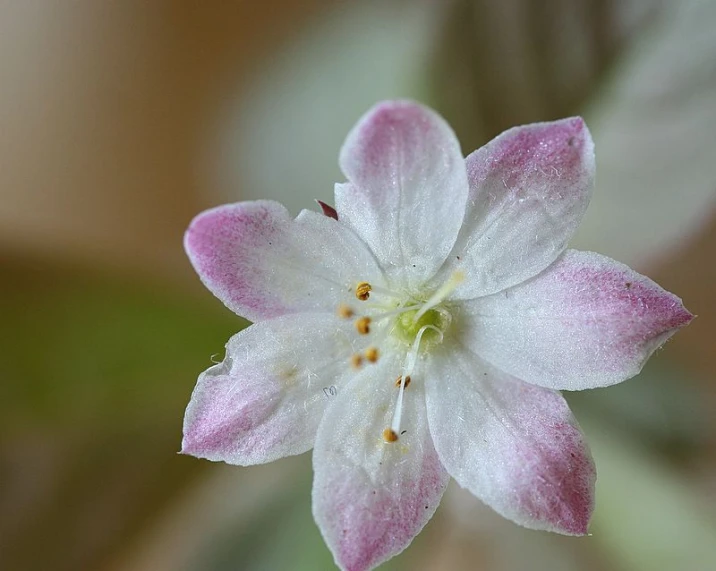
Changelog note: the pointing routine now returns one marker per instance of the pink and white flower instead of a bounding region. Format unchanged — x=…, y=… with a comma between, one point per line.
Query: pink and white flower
x=425, y=332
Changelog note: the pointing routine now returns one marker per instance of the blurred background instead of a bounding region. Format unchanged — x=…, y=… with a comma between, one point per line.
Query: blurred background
x=121, y=120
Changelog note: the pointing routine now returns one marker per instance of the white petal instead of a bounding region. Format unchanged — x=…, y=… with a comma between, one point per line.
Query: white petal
x=266, y=399
x=515, y=446
x=587, y=321
x=529, y=188
x=262, y=264
x=406, y=190
x=371, y=497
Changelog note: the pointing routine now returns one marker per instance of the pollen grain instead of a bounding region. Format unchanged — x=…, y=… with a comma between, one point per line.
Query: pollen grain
x=356, y=360
x=345, y=311
x=389, y=435
x=363, y=290
x=363, y=325
x=400, y=379
x=372, y=354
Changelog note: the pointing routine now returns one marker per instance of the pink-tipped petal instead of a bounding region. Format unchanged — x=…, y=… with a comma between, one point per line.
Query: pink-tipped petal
x=263, y=264
x=529, y=189
x=407, y=187
x=587, y=321
x=266, y=399
x=371, y=497
x=515, y=446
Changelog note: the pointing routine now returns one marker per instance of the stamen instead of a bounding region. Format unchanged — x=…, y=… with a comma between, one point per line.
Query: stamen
x=399, y=381
x=384, y=291
x=442, y=292
x=363, y=290
x=395, y=312
x=389, y=435
x=371, y=354
x=356, y=360
x=363, y=325
x=344, y=311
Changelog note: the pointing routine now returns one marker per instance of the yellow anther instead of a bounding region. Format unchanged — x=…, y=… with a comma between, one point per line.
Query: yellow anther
x=356, y=360
x=389, y=435
x=371, y=353
x=400, y=379
x=363, y=291
x=363, y=325
x=344, y=311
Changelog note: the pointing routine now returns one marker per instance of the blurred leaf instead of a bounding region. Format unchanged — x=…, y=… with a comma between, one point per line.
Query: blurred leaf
x=653, y=123
x=82, y=348
x=280, y=535
x=280, y=140
x=97, y=370
x=662, y=407
x=648, y=516
x=501, y=64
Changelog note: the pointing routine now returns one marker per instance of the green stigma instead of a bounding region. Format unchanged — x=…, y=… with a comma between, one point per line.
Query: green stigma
x=407, y=328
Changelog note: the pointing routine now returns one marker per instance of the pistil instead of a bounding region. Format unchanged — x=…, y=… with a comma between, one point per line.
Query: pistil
x=405, y=378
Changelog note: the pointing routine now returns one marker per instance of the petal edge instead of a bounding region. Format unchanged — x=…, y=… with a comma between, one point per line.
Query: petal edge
x=262, y=264
x=266, y=399
x=587, y=321
x=516, y=446
x=407, y=187
x=529, y=189
x=370, y=497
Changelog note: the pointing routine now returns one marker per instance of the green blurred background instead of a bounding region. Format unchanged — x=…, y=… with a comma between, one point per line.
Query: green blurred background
x=121, y=120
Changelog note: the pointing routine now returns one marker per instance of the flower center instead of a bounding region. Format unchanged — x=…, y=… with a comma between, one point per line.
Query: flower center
x=408, y=325
x=418, y=323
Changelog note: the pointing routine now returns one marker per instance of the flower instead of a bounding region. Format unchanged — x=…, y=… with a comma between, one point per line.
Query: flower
x=421, y=330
